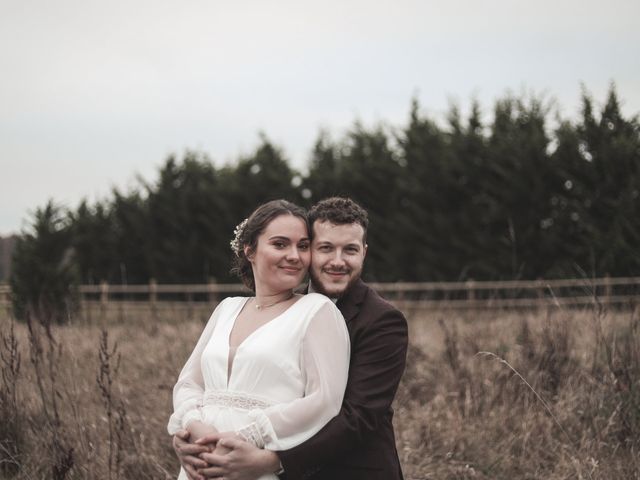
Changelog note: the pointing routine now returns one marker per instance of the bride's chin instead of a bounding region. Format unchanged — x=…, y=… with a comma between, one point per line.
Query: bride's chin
x=291, y=285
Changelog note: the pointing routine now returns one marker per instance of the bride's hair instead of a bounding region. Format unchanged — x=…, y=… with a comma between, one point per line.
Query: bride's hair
x=247, y=233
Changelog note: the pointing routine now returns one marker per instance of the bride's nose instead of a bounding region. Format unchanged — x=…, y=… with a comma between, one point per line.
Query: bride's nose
x=293, y=254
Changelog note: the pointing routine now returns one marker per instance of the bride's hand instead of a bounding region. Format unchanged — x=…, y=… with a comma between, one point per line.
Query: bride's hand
x=221, y=449
x=199, y=430
x=244, y=461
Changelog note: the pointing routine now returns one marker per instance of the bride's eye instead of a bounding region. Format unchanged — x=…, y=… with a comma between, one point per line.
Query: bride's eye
x=304, y=246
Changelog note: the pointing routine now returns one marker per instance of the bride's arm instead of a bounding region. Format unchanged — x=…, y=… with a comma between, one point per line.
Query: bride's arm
x=189, y=389
x=325, y=365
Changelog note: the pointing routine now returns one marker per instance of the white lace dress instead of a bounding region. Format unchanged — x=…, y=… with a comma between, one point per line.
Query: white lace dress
x=286, y=381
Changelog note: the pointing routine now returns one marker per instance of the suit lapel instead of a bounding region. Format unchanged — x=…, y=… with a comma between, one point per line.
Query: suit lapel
x=350, y=304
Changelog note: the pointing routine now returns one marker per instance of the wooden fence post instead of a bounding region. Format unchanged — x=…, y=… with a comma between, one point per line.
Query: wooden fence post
x=471, y=293
x=5, y=300
x=85, y=308
x=153, y=297
x=607, y=289
x=211, y=296
x=540, y=291
x=104, y=298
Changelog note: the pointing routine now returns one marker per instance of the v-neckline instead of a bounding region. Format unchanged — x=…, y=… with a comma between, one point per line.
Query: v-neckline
x=237, y=347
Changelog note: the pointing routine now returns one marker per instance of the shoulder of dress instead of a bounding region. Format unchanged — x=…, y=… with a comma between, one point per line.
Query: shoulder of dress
x=312, y=303
x=230, y=302
x=317, y=300
x=317, y=297
x=235, y=299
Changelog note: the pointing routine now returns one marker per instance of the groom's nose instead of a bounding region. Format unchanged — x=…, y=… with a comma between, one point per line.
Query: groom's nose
x=337, y=259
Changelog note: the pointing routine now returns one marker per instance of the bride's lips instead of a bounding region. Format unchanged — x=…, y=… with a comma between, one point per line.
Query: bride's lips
x=291, y=269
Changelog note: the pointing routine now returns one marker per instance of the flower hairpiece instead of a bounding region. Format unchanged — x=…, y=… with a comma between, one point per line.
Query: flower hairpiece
x=237, y=233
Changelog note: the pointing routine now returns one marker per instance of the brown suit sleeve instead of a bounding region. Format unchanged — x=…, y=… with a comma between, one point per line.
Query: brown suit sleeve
x=378, y=357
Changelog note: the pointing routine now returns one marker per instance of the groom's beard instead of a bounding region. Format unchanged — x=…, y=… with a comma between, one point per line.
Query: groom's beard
x=331, y=290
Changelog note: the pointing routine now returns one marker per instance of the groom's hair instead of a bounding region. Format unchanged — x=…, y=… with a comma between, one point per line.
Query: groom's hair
x=339, y=211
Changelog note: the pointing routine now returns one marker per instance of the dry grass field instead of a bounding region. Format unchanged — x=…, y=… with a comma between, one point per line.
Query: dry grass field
x=557, y=397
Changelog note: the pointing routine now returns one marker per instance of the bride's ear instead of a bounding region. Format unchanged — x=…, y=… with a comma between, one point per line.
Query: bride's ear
x=248, y=253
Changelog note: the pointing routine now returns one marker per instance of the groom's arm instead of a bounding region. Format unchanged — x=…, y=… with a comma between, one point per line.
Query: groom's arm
x=378, y=358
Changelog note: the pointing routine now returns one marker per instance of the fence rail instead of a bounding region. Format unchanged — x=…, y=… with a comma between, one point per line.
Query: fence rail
x=414, y=295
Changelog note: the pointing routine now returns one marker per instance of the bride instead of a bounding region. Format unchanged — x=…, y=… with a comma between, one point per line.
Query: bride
x=272, y=367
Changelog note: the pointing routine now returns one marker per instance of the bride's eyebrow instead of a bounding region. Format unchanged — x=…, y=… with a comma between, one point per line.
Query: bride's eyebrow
x=283, y=237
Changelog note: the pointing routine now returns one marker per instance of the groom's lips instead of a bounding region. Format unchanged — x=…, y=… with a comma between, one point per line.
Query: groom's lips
x=336, y=273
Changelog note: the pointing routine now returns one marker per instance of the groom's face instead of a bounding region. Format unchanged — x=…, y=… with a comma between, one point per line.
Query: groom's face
x=337, y=256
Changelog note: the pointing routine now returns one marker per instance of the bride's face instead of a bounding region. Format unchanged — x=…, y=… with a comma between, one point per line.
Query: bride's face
x=282, y=255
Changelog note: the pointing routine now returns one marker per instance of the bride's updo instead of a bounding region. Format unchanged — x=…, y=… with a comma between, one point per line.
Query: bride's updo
x=247, y=232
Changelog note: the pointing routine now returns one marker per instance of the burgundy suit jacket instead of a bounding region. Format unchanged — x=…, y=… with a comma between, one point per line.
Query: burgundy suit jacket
x=359, y=442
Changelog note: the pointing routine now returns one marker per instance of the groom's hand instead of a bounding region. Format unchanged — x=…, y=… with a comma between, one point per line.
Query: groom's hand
x=243, y=460
x=188, y=454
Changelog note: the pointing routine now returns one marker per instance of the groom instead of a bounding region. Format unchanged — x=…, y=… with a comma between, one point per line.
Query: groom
x=359, y=442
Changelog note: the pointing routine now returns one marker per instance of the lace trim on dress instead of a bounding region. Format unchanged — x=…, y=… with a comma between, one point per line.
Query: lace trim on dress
x=242, y=401
x=251, y=433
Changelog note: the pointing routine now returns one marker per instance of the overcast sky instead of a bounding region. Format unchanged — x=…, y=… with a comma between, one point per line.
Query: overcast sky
x=93, y=93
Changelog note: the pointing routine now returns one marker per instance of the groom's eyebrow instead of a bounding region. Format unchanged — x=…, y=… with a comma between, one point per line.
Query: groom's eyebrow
x=324, y=242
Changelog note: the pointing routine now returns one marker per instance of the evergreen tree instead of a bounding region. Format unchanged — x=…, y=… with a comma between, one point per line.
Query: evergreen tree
x=370, y=173
x=323, y=178
x=466, y=210
x=93, y=243
x=132, y=238
x=187, y=220
x=610, y=182
x=43, y=276
x=519, y=185
x=425, y=199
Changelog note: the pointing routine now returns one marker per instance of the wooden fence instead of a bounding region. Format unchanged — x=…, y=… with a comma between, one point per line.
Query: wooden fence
x=618, y=292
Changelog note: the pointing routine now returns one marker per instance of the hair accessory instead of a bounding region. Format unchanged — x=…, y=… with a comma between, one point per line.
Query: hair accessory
x=237, y=233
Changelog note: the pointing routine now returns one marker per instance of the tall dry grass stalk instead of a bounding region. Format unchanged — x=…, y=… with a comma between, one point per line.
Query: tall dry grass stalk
x=11, y=437
x=109, y=363
x=45, y=355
